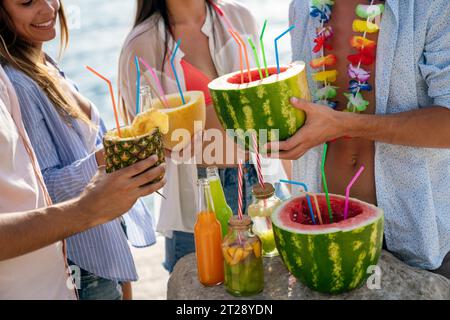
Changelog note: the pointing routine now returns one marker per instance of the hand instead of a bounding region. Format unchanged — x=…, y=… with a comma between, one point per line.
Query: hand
x=322, y=124
x=100, y=157
x=111, y=195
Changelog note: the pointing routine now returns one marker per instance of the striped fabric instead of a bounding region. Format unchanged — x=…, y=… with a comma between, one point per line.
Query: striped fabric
x=67, y=168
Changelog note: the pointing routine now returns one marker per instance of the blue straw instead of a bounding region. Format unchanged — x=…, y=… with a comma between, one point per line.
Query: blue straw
x=276, y=46
x=138, y=84
x=307, y=196
x=175, y=72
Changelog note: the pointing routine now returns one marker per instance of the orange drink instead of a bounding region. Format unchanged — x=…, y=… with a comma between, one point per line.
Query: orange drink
x=208, y=239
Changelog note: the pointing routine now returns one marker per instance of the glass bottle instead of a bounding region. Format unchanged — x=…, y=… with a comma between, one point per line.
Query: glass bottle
x=208, y=239
x=264, y=204
x=221, y=208
x=145, y=97
x=244, y=271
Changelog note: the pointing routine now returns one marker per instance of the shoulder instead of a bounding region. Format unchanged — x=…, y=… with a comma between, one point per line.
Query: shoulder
x=299, y=7
x=234, y=8
x=20, y=80
x=27, y=91
x=143, y=35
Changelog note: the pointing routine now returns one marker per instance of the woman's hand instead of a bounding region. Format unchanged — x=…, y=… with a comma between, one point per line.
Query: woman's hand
x=100, y=157
x=322, y=124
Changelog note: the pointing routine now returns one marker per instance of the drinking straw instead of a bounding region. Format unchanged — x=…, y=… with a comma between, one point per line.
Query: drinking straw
x=276, y=46
x=175, y=71
x=241, y=63
x=258, y=161
x=240, y=177
x=138, y=84
x=255, y=53
x=222, y=14
x=311, y=211
x=319, y=214
x=111, y=91
x=324, y=179
x=261, y=42
x=347, y=190
x=158, y=83
x=246, y=55
x=122, y=110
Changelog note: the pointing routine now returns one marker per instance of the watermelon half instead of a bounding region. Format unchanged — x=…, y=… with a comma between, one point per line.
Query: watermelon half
x=262, y=104
x=329, y=258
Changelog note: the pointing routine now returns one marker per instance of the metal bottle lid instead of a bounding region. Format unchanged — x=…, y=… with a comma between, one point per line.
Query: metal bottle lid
x=265, y=193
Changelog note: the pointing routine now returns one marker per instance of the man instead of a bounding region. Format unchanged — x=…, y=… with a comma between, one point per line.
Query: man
x=32, y=260
x=402, y=138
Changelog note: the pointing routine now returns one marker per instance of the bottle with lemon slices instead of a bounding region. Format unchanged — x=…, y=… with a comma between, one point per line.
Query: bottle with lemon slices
x=242, y=251
x=264, y=204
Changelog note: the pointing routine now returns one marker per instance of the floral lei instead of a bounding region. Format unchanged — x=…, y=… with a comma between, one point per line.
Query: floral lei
x=321, y=10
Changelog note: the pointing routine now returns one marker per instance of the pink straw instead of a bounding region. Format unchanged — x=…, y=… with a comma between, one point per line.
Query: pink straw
x=347, y=191
x=222, y=14
x=258, y=161
x=158, y=83
x=240, y=176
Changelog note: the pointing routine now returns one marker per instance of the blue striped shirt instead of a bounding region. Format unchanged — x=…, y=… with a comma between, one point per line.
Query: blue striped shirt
x=67, y=168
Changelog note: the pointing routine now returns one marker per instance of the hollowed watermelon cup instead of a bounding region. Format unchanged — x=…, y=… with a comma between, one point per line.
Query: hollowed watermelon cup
x=261, y=104
x=329, y=258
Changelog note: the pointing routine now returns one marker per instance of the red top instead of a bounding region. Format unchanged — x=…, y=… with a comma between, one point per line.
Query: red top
x=196, y=80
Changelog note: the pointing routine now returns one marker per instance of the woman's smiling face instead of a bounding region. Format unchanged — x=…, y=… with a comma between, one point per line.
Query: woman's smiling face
x=34, y=20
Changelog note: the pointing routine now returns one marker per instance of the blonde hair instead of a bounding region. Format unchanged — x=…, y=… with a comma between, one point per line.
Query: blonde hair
x=21, y=55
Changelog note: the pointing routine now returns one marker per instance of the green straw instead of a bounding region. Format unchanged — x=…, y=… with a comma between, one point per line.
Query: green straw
x=256, y=57
x=324, y=179
x=261, y=42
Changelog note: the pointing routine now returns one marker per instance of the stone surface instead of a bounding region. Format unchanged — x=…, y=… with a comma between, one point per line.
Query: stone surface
x=398, y=281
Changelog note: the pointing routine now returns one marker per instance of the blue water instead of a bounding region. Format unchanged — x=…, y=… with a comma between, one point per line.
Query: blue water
x=98, y=29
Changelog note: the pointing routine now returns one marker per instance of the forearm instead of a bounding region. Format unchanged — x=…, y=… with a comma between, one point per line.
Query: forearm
x=24, y=232
x=425, y=128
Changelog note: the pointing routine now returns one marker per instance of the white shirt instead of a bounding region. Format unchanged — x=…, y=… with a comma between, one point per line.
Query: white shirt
x=41, y=274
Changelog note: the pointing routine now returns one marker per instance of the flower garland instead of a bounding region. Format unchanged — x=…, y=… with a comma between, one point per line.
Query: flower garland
x=321, y=10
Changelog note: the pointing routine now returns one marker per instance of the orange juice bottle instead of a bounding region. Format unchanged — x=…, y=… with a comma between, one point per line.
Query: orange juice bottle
x=208, y=239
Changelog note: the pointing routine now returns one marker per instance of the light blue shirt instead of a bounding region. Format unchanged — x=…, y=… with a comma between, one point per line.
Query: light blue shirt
x=412, y=72
x=67, y=168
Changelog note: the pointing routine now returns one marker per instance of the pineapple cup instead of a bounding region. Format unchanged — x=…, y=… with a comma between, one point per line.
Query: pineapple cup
x=126, y=151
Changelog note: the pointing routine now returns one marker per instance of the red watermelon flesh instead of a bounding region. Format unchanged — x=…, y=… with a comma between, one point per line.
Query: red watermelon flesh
x=236, y=78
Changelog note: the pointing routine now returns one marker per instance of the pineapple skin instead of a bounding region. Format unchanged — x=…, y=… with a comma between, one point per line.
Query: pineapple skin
x=122, y=153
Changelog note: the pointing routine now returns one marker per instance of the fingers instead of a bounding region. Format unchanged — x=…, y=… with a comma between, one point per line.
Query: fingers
x=138, y=167
x=301, y=104
x=291, y=154
x=147, y=190
x=148, y=176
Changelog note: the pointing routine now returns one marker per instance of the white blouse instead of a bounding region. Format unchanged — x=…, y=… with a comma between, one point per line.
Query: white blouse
x=178, y=212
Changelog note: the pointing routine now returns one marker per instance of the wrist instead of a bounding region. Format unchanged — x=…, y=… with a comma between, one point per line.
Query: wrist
x=349, y=123
x=85, y=212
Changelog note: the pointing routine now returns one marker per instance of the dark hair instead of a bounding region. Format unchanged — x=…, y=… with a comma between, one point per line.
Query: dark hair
x=147, y=8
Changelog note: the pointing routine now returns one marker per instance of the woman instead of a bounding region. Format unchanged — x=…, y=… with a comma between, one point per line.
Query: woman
x=65, y=130
x=207, y=51
x=403, y=137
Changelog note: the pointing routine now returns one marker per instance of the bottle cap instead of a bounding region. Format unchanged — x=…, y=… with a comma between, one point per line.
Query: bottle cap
x=265, y=193
x=235, y=222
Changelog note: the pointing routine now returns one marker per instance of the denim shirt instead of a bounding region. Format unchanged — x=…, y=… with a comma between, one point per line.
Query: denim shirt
x=67, y=167
x=412, y=72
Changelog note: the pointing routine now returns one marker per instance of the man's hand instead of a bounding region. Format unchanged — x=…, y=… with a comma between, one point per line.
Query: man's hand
x=322, y=124
x=111, y=195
